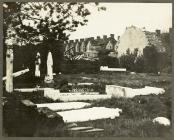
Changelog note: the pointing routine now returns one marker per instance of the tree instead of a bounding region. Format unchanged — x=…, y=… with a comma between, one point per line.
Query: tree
x=127, y=60
x=46, y=24
x=150, y=59
x=35, y=22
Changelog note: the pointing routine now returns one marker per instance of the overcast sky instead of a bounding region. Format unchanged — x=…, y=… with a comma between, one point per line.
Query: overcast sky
x=114, y=20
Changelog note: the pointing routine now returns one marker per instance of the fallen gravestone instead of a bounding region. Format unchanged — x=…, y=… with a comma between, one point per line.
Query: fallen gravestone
x=64, y=106
x=88, y=114
x=94, y=130
x=80, y=128
x=126, y=92
x=162, y=120
x=57, y=95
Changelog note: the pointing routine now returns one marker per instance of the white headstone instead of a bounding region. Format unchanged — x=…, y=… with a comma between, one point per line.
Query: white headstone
x=49, y=76
x=162, y=120
x=37, y=65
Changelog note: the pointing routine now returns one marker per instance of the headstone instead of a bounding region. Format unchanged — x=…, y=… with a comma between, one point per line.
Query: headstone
x=9, y=70
x=37, y=65
x=49, y=76
x=64, y=105
x=80, y=128
x=162, y=120
x=89, y=114
x=94, y=130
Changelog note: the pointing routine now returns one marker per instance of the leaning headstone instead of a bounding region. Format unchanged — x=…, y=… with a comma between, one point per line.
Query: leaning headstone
x=49, y=76
x=37, y=65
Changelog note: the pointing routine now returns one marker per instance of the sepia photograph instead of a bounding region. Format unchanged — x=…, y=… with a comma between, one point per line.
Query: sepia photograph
x=87, y=69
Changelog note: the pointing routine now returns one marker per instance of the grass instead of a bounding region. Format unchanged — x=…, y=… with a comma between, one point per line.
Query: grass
x=134, y=81
x=138, y=112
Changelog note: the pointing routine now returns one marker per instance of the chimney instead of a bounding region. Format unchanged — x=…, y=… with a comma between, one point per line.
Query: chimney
x=112, y=36
x=118, y=38
x=86, y=39
x=98, y=37
x=92, y=38
x=82, y=39
x=104, y=37
x=158, y=32
x=170, y=30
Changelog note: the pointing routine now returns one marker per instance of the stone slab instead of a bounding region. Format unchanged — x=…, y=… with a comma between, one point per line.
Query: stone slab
x=64, y=106
x=80, y=128
x=94, y=130
x=28, y=89
x=56, y=95
x=126, y=92
x=88, y=114
x=16, y=74
x=83, y=97
x=106, y=68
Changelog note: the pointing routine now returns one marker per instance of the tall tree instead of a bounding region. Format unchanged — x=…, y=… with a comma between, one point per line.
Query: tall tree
x=35, y=22
x=45, y=23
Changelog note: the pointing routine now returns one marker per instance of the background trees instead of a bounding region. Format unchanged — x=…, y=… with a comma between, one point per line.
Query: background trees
x=43, y=25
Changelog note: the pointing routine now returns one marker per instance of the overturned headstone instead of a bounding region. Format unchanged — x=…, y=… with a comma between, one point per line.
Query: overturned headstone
x=55, y=94
x=18, y=73
x=28, y=89
x=51, y=93
x=88, y=114
x=80, y=128
x=162, y=120
x=119, y=91
x=106, y=68
x=83, y=97
x=94, y=130
x=64, y=106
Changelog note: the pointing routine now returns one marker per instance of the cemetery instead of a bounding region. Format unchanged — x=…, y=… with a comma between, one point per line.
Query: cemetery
x=89, y=96
x=112, y=80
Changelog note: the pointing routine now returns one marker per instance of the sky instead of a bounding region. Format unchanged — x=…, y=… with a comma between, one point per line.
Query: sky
x=118, y=16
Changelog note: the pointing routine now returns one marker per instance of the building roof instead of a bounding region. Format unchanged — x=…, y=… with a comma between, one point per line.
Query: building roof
x=102, y=42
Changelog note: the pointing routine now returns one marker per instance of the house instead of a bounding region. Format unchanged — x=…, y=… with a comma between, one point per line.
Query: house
x=90, y=47
x=134, y=37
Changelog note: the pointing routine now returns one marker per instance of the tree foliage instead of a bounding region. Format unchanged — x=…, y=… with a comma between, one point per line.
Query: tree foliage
x=35, y=22
x=129, y=60
x=42, y=26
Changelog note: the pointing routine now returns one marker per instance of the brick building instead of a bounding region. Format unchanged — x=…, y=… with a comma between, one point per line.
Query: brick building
x=89, y=48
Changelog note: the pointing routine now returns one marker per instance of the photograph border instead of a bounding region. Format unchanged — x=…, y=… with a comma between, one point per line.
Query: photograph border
x=87, y=138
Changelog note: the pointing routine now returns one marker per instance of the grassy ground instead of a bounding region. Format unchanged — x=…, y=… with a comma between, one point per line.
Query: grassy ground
x=138, y=112
x=136, y=119
x=137, y=80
